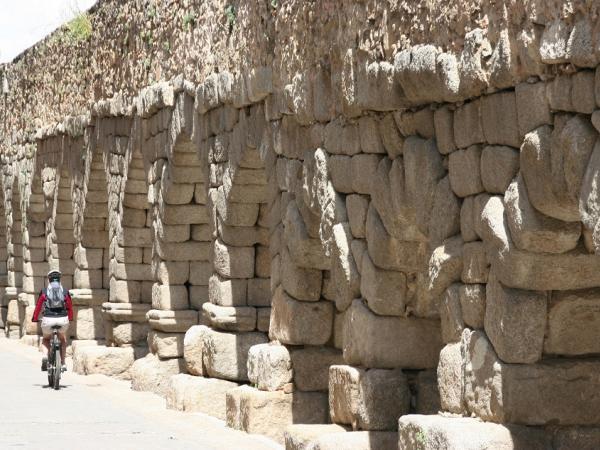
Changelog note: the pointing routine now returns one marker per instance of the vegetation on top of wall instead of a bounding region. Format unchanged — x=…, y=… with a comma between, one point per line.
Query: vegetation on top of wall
x=79, y=28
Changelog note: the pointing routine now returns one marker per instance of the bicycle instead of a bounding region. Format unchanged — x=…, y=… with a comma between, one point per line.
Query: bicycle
x=55, y=365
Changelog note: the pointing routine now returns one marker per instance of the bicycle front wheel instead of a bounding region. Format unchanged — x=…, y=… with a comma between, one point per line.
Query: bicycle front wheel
x=57, y=370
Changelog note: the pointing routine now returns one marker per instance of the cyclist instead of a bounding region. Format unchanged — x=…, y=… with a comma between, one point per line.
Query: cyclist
x=57, y=307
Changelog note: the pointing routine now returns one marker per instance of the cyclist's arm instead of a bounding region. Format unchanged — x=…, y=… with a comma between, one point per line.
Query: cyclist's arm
x=69, y=305
x=38, y=307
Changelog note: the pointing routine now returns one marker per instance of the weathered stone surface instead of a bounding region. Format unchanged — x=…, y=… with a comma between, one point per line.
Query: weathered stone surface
x=371, y=399
x=473, y=304
x=230, y=318
x=170, y=297
x=386, y=342
x=166, y=345
x=445, y=213
x=301, y=437
x=383, y=290
x=152, y=374
x=359, y=440
x=435, y=432
x=172, y=321
x=225, y=355
x=533, y=231
x=444, y=130
x=451, y=314
x=590, y=195
x=269, y=413
x=423, y=169
x=450, y=378
x=224, y=292
x=467, y=125
x=193, y=349
x=476, y=265
x=311, y=367
x=499, y=119
x=445, y=267
x=344, y=271
x=427, y=392
x=269, y=366
x=197, y=394
x=573, y=318
x=301, y=283
x=515, y=322
x=563, y=161
x=112, y=361
x=390, y=253
x=464, y=168
x=297, y=323
x=533, y=109
x=499, y=165
x=357, y=206
x=233, y=262
x=534, y=271
x=560, y=392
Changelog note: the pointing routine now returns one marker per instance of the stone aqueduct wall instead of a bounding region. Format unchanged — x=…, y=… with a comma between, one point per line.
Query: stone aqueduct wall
x=396, y=239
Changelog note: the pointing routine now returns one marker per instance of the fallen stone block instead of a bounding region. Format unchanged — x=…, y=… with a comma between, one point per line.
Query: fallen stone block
x=454, y=433
x=111, y=361
x=269, y=366
x=367, y=399
x=193, y=349
x=270, y=413
x=198, y=394
x=225, y=355
x=357, y=440
x=301, y=437
x=152, y=374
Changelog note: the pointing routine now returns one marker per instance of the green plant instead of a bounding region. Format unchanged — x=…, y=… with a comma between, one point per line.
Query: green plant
x=79, y=28
x=274, y=4
x=230, y=14
x=421, y=437
x=151, y=12
x=189, y=20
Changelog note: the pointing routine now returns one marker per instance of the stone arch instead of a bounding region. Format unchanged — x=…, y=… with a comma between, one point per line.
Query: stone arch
x=181, y=239
x=14, y=237
x=38, y=200
x=90, y=219
x=3, y=261
x=130, y=236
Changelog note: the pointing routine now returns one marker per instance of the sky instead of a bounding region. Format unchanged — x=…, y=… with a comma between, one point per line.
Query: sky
x=25, y=22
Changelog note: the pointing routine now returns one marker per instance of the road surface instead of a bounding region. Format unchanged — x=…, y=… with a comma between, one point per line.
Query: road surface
x=97, y=412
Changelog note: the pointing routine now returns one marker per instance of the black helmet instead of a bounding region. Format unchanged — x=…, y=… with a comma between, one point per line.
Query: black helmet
x=54, y=275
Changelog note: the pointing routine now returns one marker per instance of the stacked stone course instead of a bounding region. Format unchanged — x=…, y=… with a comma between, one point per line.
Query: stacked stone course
x=366, y=252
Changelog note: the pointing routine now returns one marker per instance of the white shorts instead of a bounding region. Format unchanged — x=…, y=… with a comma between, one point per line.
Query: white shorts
x=49, y=322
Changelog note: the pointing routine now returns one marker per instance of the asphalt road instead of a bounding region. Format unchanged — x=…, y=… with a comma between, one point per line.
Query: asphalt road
x=97, y=412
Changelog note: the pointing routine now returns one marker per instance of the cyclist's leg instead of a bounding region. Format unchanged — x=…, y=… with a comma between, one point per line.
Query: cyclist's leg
x=62, y=336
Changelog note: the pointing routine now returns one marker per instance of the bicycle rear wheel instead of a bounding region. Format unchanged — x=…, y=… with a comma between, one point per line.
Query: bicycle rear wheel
x=50, y=366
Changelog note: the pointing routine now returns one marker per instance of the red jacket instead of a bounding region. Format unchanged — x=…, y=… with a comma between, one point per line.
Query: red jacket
x=40, y=303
